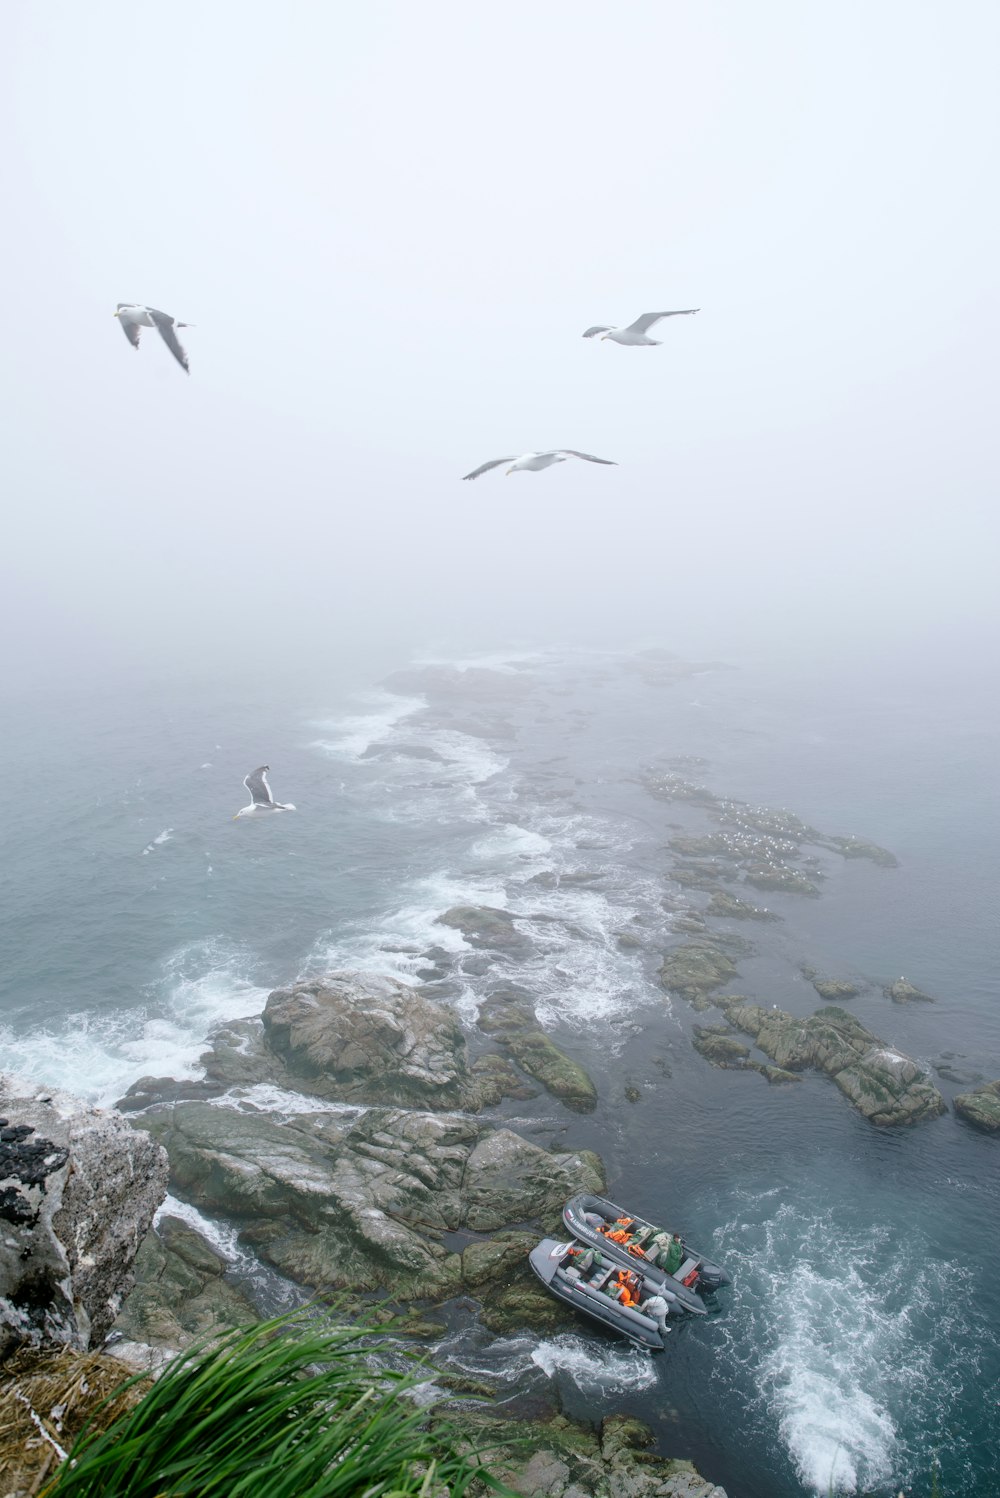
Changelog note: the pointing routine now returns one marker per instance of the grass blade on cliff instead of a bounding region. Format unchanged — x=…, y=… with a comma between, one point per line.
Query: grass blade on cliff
x=288, y=1408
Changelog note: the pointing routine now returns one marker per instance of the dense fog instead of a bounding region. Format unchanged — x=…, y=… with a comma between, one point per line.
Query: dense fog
x=390, y=224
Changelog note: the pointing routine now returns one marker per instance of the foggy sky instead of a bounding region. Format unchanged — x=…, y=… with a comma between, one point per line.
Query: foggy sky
x=391, y=223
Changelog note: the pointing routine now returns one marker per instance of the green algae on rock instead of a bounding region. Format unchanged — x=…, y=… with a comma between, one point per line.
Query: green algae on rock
x=885, y=1086
x=695, y=969
x=981, y=1107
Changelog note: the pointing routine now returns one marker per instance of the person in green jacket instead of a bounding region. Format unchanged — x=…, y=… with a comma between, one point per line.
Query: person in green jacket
x=672, y=1256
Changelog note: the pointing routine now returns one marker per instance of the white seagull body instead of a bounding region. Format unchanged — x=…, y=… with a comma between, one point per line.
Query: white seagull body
x=261, y=800
x=534, y=462
x=133, y=317
x=636, y=332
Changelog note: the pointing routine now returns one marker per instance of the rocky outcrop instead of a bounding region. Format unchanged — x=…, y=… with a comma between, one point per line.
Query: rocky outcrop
x=509, y=1016
x=886, y=1087
x=559, y=1458
x=78, y=1189
x=486, y=928
x=981, y=1107
x=724, y=904
x=832, y=990
x=695, y=969
x=904, y=992
x=180, y=1292
x=367, y=1038
x=780, y=878
x=348, y=1037
x=362, y=1201
x=719, y=1046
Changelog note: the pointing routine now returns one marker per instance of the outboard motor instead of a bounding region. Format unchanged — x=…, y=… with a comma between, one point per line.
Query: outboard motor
x=711, y=1278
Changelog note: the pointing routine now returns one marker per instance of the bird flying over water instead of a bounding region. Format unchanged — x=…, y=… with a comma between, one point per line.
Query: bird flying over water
x=636, y=332
x=261, y=799
x=133, y=317
x=533, y=462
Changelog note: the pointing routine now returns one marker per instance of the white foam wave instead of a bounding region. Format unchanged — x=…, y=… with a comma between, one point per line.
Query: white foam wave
x=97, y=1056
x=354, y=733
x=220, y=1235
x=164, y=837
x=846, y=1331
x=264, y=1097
x=594, y=1369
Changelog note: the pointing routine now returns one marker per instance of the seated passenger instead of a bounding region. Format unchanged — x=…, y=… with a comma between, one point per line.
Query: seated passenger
x=673, y=1255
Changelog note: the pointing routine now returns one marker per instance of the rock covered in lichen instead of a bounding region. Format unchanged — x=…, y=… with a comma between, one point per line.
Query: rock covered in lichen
x=981, y=1107
x=78, y=1189
x=887, y=1087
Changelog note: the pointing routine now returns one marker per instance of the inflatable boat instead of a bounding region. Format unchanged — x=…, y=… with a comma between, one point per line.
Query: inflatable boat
x=613, y=1294
x=624, y=1239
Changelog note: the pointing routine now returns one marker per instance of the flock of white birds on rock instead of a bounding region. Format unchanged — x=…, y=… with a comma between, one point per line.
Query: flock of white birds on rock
x=133, y=317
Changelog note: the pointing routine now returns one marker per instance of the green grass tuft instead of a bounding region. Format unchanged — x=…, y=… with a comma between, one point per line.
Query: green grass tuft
x=288, y=1408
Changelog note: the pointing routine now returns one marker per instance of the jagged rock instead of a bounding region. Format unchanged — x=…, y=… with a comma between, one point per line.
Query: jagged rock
x=719, y=1046
x=883, y=1085
x=695, y=969
x=78, y=1189
x=149, y=1091
x=904, y=992
x=981, y=1107
x=559, y=1458
x=180, y=1292
x=723, y=903
x=368, y=1038
x=362, y=1202
x=776, y=1075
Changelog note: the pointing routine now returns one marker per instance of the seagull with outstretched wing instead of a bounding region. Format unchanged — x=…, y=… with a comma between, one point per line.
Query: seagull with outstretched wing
x=133, y=317
x=635, y=333
x=534, y=462
x=261, y=799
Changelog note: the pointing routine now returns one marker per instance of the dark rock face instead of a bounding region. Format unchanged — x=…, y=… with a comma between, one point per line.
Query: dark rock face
x=486, y=927
x=886, y=1087
x=981, y=1107
x=78, y=1189
x=723, y=903
x=719, y=1046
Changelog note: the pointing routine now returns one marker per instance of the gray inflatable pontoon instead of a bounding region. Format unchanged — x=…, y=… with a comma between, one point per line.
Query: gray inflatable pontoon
x=643, y=1247
x=569, y=1270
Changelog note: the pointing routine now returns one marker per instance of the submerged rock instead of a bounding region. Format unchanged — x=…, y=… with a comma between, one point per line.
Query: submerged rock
x=858, y=847
x=981, y=1107
x=78, y=1189
x=486, y=927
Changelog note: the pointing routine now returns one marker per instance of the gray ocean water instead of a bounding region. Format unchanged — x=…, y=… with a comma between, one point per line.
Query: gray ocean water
x=857, y=1347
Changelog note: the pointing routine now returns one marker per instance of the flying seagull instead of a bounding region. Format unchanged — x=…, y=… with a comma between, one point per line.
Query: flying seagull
x=534, y=461
x=133, y=317
x=261, y=799
x=636, y=331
